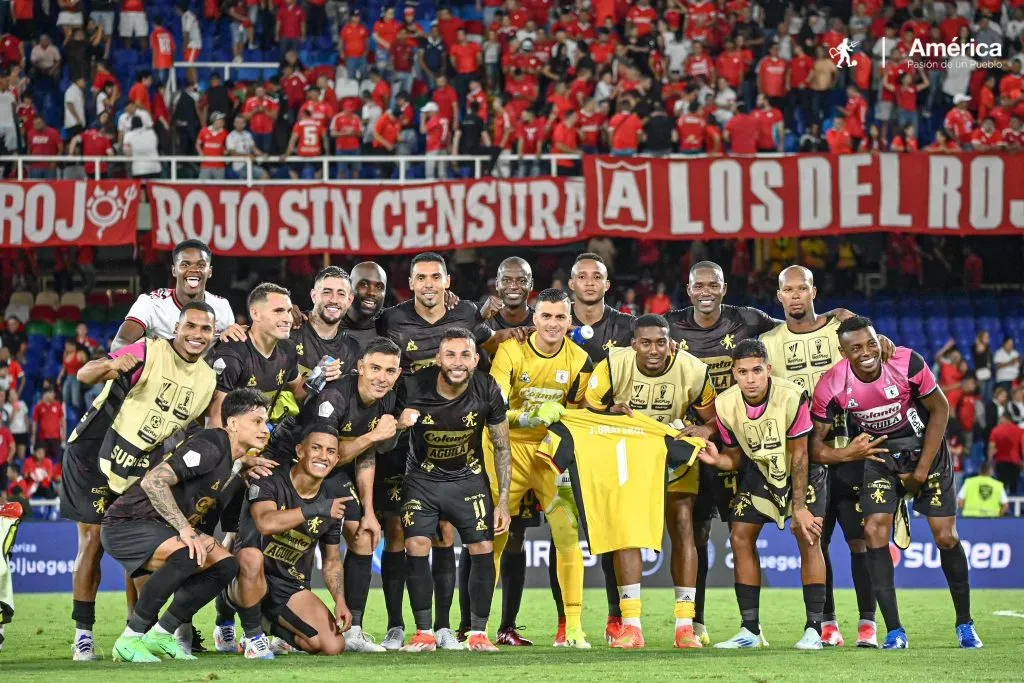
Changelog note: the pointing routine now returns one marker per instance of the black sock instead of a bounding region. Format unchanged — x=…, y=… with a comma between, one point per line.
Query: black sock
x=443, y=570
x=392, y=575
x=178, y=568
x=252, y=620
x=749, y=599
x=225, y=612
x=199, y=590
x=862, y=586
x=513, y=581
x=481, y=590
x=357, y=583
x=465, y=564
x=955, y=567
x=611, y=584
x=830, y=596
x=814, y=603
x=883, y=578
x=702, y=582
x=84, y=614
x=556, y=590
x=421, y=589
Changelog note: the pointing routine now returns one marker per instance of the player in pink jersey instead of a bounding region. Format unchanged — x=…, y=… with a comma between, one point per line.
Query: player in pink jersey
x=902, y=416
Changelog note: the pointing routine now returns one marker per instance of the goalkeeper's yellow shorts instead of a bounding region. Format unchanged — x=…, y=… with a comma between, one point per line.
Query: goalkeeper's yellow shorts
x=530, y=471
x=687, y=481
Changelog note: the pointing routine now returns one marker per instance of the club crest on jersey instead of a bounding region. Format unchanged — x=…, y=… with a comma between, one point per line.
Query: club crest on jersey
x=892, y=392
x=428, y=420
x=411, y=346
x=347, y=427
x=469, y=419
x=853, y=403
x=683, y=346
x=610, y=344
x=280, y=377
x=300, y=349
x=728, y=341
x=562, y=376
x=525, y=377
x=373, y=423
x=314, y=525
x=252, y=381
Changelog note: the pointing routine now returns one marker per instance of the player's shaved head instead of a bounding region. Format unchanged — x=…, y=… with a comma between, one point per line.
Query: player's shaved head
x=707, y=287
x=369, y=285
x=514, y=282
x=796, y=274
x=796, y=292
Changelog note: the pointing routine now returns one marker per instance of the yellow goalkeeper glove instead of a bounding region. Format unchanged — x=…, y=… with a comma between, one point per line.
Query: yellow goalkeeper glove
x=565, y=499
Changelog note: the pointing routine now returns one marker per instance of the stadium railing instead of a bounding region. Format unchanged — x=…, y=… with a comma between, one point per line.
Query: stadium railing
x=174, y=165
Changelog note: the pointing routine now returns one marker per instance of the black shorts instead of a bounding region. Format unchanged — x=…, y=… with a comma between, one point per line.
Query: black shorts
x=279, y=592
x=133, y=543
x=85, y=494
x=466, y=503
x=844, y=484
x=528, y=515
x=882, y=489
x=753, y=486
x=717, y=489
x=339, y=484
x=387, y=484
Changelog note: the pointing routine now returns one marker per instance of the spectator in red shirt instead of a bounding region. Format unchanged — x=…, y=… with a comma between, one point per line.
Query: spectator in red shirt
x=449, y=25
x=565, y=139
x=290, y=28
x=773, y=78
x=385, y=33
x=643, y=16
x=437, y=130
x=691, y=128
x=381, y=92
x=839, y=139
x=43, y=141
x=959, y=122
x=210, y=143
x=590, y=124
x=742, y=132
x=446, y=99
x=8, y=451
x=1005, y=442
x=987, y=138
x=386, y=132
x=347, y=133
x=770, y=125
x=309, y=139
x=94, y=142
x=403, y=53
x=625, y=129
x=38, y=472
x=466, y=58
x=943, y=142
x=531, y=133
x=261, y=113
x=50, y=428
x=355, y=44
x=905, y=141
x=856, y=113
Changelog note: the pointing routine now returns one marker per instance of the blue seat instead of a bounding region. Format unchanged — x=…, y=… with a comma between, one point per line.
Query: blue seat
x=886, y=325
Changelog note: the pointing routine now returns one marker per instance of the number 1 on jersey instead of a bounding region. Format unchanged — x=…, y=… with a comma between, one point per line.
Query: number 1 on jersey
x=620, y=453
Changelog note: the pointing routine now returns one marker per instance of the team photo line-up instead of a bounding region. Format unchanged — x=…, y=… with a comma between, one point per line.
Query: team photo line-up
x=359, y=424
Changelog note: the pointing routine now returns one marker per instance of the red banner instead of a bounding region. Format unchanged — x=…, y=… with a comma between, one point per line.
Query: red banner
x=50, y=213
x=806, y=195
x=278, y=220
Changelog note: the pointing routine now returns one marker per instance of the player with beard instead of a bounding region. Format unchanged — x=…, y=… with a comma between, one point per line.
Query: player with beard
x=417, y=327
x=369, y=286
x=287, y=516
x=266, y=360
x=589, y=282
x=156, y=314
x=510, y=310
x=802, y=351
x=710, y=330
x=156, y=528
x=651, y=379
x=445, y=479
x=902, y=415
x=320, y=334
x=136, y=377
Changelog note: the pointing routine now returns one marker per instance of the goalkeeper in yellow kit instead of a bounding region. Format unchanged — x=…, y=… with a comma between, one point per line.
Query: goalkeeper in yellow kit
x=540, y=376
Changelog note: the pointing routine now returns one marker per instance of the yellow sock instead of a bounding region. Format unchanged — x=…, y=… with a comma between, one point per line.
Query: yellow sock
x=631, y=610
x=684, y=610
x=499, y=547
x=570, y=566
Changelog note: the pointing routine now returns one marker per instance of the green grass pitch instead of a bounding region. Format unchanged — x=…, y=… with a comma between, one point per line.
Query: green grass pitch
x=38, y=647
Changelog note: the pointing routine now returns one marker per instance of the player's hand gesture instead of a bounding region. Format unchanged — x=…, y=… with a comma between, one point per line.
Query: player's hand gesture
x=913, y=481
x=257, y=467
x=125, y=363
x=450, y=300
x=194, y=542
x=338, y=507
x=235, y=332
x=332, y=370
x=806, y=526
x=491, y=307
x=385, y=429
x=298, y=317
x=502, y=519
x=705, y=432
x=863, y=447
x=370, y=525
x=709, y=454
x=888, y=348
x=343, y=617
x=408, y=418
x=621, y=409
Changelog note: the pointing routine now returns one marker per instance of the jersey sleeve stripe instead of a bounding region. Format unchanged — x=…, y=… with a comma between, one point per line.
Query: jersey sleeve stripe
x=136, y=320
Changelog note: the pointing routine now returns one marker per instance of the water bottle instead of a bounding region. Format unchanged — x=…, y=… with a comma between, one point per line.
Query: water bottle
x=582, y=334
x=318, y=378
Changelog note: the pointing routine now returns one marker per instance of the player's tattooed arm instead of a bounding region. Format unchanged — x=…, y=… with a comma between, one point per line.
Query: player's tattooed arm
x=157, y=484
x=502, y=459
x=334, y=580
x=798, y=472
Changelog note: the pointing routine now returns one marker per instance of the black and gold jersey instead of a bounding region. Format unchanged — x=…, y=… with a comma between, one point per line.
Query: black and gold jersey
x=496, y=322
x=203, y=465
x=239, y=365
x=289, y=555
x=447, y=440
x=363, y=331
x=310, y=347
x=714, y=344
x=614, y=329
x=419, y=339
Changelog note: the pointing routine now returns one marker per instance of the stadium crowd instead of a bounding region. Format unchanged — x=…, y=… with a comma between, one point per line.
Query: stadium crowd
x=509, y=78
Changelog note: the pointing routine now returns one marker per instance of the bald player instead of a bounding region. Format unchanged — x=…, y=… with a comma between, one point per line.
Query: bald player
x=369, y=286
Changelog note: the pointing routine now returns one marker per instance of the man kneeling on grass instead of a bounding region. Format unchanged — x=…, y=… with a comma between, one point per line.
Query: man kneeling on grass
x=152, y=528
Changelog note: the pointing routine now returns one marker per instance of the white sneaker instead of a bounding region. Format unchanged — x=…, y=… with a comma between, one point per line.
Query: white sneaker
x=257, y=648
x=394, y=640
x=2, y=638
x=810, y=641
x=742, y=640
x=224, y=638
x=183, y=634
x=446, y=640
x=84, y=649
x=279, y=647
x=357, y=640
